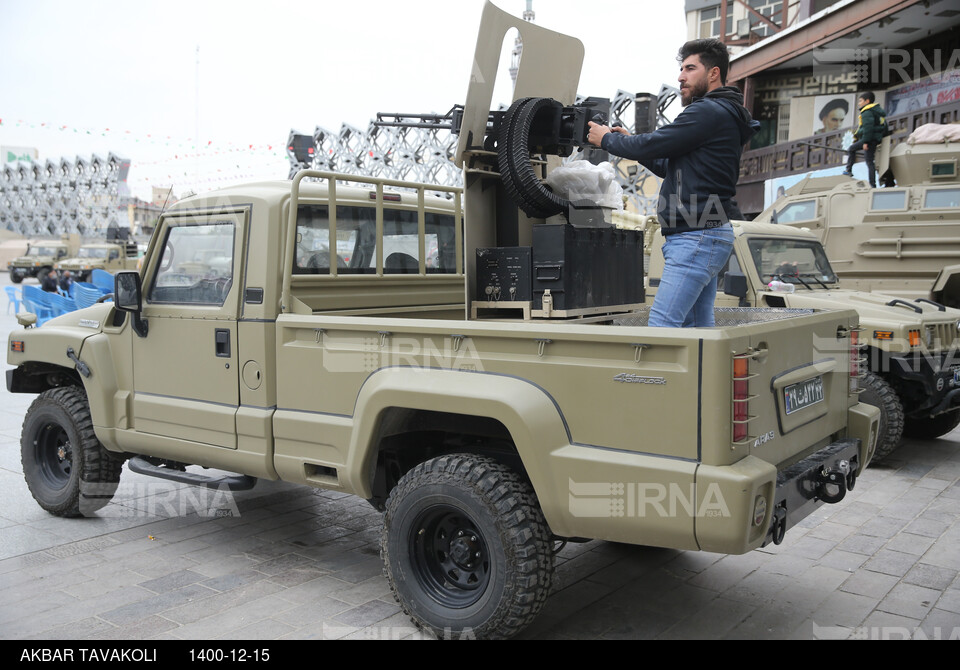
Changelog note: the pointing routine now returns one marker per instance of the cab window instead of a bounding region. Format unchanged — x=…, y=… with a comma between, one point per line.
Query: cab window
x=805, y=210
x=196, y=265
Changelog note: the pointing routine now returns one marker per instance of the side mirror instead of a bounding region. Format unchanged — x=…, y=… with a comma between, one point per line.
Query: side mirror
x=128, y=297
x=735, y=284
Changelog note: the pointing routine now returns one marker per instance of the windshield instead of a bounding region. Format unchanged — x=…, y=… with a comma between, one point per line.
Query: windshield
x=92, y=252
x=42, y=251
x=792, y=261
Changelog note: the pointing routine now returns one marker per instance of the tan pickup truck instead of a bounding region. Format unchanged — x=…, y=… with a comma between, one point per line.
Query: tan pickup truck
x=323, y=334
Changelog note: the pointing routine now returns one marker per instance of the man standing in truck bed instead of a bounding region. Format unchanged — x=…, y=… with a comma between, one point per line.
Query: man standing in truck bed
x=698, y=158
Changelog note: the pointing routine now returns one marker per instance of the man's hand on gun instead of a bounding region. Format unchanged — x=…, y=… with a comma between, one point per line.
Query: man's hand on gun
x=596, y=133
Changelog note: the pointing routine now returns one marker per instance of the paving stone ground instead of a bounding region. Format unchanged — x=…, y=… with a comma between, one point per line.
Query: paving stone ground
x=166, y=561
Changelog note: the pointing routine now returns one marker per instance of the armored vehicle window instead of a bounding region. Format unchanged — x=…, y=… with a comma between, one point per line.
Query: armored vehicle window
x=196, y=265
x=889, y=200
x=794, y=261
x=88, y=252
x=942, y=198
x=357, y=241
x=805, y=210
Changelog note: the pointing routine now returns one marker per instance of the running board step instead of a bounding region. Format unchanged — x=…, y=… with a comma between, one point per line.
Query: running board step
x=141, y=466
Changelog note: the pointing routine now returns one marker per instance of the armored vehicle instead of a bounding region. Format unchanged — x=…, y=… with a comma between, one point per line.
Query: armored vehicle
x=117, y=252
x=902, y=240
x=41, y=257
x=911, y=348
x=331, y=346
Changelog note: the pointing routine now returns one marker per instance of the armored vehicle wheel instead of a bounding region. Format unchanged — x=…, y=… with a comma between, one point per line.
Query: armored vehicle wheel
x=879, y=393
x=466, y=549
x=15, y=277
x=68, y=471
x=930, y=428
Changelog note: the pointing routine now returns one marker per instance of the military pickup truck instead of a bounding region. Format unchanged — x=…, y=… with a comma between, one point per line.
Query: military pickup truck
x=902, y=240
x=111, y=256
x=321, y=333
x=911, y=349
x=41, y=257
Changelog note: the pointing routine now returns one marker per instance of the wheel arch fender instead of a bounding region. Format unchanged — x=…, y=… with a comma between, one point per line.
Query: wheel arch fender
x=528, y=412
x=47, y=352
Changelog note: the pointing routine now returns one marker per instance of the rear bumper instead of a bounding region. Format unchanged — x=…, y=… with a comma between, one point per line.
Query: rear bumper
x=824, y=477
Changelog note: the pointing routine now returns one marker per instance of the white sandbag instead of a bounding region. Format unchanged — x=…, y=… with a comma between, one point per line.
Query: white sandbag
x=935, y=133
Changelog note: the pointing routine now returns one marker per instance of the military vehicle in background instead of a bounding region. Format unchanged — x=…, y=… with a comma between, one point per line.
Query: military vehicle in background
x=118, y=252
x=911, y=363
x=903, y=240
x=41, y=257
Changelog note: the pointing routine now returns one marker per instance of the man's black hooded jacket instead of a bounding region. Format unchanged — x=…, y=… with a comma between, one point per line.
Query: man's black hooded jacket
x=698, y=158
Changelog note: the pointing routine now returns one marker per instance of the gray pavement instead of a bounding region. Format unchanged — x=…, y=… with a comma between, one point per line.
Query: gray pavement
x=165, y=561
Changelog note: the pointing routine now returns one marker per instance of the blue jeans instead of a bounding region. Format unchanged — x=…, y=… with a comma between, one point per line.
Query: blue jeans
x=688, y=287
x=868, y=158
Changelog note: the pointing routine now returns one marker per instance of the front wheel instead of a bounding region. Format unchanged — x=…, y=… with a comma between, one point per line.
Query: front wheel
x=932, y=427
x=67, y=470
x=16, y=277
x=879, y=393
x=466, y=549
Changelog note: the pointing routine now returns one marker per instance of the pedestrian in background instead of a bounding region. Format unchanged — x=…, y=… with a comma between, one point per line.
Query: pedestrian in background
x=870, y=131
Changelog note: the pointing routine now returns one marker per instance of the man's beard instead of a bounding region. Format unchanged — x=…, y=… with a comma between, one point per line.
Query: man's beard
x=688, y=94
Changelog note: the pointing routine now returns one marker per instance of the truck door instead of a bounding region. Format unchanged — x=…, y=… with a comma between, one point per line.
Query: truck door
x=185, y=369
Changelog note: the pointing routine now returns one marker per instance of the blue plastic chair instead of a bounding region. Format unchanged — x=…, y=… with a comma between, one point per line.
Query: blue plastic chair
x=61, y=304
x=37, y=301
x=86, y=294
x=15, y=299
x=102, y=279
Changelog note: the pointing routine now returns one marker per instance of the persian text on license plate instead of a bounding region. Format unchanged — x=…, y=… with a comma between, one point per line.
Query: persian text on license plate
x=804, y=394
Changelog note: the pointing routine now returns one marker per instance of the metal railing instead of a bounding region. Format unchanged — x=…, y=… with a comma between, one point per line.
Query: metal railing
x=824, y=151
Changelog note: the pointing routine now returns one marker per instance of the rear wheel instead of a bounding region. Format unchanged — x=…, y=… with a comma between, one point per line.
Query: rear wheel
x=466, y=549
x=930, y=428
x=67, y=470
x=879, y=393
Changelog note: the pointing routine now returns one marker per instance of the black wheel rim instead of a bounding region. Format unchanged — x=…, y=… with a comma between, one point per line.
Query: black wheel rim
x=54, y=455
x=450, y=556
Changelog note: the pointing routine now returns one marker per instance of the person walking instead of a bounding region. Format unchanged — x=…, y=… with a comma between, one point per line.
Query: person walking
x=698, y=158
x=870, y=131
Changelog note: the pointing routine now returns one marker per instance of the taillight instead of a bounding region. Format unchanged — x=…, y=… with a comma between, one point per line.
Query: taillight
x=741, y=397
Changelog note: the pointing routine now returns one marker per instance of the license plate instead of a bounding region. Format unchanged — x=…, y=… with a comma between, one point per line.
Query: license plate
x=804, y=394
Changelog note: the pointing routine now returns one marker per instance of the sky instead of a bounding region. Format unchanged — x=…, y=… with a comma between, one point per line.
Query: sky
x=204, y=93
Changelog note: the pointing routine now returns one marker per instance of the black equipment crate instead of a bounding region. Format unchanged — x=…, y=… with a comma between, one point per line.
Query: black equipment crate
x=586, y=268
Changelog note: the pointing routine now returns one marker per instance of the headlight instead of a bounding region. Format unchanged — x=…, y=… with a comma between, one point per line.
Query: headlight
x=930, y=336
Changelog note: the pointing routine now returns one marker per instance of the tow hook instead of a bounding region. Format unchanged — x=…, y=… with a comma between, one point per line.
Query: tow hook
x=837, y=477
x=779, y=526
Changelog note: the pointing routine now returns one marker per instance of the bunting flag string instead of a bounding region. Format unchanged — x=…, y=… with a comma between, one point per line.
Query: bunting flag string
x=189, y=144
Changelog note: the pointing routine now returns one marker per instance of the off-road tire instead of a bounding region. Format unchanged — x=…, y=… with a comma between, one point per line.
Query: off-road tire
x=67, y=470
x=879, y=393
x=930, y=428
x=16, y=277
x=520, y=180
x=465, y=548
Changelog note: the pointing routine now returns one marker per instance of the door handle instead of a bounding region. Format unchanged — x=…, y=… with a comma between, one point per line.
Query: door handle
x=222, y=342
